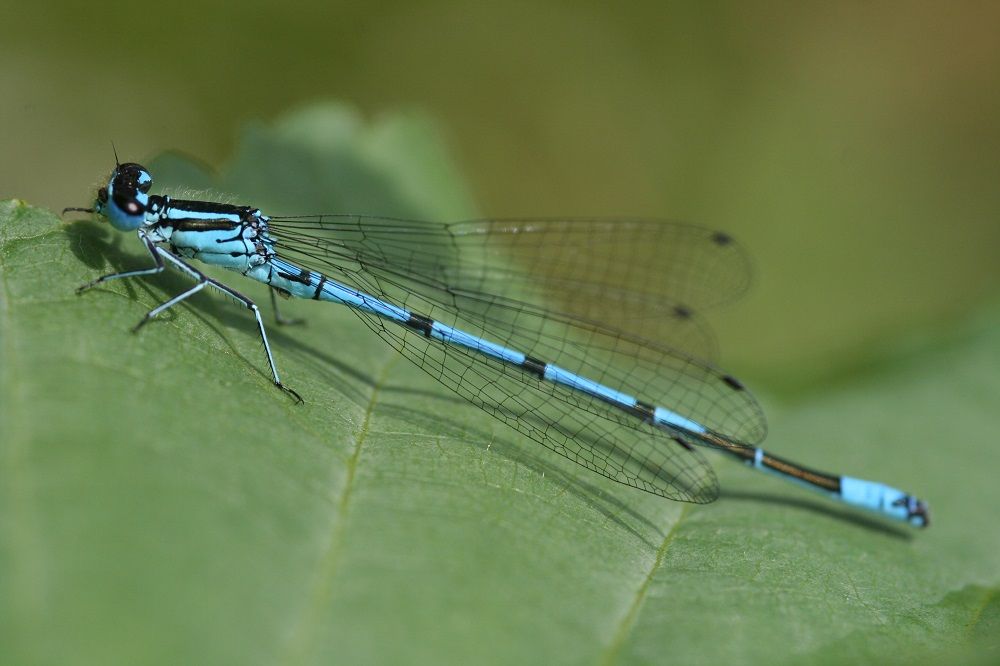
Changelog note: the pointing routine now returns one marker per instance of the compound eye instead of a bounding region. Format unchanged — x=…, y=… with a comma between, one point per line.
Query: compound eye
x=128, y=205
x=102, y=195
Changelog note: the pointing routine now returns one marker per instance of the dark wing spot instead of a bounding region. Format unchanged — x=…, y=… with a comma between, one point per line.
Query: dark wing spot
x=683, y=443
x=720, y=238
x=733, y=383
x=682, y=312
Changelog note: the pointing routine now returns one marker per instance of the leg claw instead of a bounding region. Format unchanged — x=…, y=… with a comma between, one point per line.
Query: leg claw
x=292, y=393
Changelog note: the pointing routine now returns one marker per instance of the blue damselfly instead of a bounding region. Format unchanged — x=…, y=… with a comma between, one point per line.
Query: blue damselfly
x=503, y=313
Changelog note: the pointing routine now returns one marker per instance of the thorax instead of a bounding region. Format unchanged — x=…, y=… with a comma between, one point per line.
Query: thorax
x=236, y=237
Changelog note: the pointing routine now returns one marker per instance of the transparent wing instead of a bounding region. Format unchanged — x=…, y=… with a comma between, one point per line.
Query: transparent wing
x=650, y=278
x=584, y=429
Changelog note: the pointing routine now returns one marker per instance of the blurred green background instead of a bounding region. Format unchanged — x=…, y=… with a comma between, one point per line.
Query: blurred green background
x=851, y=147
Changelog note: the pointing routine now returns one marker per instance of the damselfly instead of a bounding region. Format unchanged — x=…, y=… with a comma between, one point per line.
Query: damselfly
x=506, y=314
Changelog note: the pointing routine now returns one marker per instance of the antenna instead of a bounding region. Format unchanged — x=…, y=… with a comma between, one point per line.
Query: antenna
x=115, y=151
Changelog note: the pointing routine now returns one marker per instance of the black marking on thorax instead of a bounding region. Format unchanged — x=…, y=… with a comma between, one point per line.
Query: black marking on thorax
x=302, y=277
x=194, y=224
x=208, y=207
x=247, y=216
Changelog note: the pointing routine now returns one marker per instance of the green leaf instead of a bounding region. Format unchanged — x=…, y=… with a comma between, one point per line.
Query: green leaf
x=161, y=502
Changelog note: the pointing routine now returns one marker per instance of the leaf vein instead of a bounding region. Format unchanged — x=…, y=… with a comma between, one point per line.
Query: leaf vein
x=303, y=635
x=628, y=620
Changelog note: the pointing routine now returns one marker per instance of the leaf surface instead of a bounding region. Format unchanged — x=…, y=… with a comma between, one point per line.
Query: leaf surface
x=161, y=502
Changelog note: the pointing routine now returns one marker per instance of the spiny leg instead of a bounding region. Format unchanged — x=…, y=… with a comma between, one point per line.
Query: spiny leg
x=282, y=321
x=158, y=268
x=237, y=296
x=168, y=304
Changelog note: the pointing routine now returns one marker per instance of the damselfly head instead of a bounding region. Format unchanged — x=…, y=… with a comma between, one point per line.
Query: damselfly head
x=124, y=199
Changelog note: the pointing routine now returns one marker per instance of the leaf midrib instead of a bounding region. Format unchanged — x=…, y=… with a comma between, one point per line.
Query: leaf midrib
x=627, y=621
x=304, y=630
